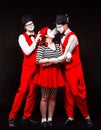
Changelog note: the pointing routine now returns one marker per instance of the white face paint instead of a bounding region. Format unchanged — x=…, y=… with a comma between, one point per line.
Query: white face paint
x=29, y=26
x=60, y=28
x=50, y=33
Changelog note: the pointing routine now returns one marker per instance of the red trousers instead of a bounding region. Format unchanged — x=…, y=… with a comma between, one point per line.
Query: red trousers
x=75, y=91
x=28, y=90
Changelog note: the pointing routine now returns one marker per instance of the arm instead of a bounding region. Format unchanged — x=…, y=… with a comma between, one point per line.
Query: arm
x=24, y=45
x=61, y=58
x=44, y=62
x=72, y=42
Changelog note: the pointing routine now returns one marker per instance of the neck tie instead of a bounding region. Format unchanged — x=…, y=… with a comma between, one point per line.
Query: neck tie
x=62, y=35
x=31, y=35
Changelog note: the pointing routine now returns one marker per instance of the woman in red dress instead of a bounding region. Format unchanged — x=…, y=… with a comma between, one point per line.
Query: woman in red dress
x=50, y=76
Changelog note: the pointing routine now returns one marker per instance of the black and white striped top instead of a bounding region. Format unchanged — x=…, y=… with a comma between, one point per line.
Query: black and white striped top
x=45, y=52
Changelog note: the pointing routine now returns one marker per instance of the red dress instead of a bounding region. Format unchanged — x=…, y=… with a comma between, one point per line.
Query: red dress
x=50, y=76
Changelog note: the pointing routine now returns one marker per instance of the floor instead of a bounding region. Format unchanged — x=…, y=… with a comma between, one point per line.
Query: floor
x=78, y=124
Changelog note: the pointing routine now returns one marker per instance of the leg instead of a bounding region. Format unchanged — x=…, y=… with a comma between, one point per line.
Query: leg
x=78, y=89
x=69, y=101
x=43, y=110
x=21, y=93
x=43, y=106
x=31, y=98
x=51, y=105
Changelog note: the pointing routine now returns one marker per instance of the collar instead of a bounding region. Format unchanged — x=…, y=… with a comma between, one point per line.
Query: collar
x=32, y=33
x=67, y=31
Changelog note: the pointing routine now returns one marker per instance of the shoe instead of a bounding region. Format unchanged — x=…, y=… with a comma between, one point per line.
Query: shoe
x=88, y=123
x=50, y=123
x=11, y=122
x=28, y=121
x=68, y=122
x=44, y=124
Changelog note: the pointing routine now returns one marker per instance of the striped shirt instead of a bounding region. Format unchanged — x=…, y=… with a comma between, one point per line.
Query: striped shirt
x=46, y=52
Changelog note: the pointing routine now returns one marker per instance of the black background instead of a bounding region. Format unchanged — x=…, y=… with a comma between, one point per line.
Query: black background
x=85, y=20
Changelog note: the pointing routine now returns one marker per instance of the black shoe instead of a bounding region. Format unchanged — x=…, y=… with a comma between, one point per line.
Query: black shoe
x=28, y=121
x=44, y=124
x=11, y=122
x=50, y=123
x=68, y=122
x=88, y=123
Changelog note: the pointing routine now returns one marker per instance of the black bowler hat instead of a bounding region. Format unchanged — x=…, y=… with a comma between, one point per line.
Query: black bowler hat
x=26, y=18
x=62, y=19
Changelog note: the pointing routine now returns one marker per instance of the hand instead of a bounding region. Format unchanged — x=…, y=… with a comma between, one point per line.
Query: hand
x=38, y=37
x=68, y=57
x=47, y=64
x=46, y=60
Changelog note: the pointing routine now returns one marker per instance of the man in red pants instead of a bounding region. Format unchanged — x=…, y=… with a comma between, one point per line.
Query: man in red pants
x=75, y=89
x=28, y=41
